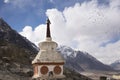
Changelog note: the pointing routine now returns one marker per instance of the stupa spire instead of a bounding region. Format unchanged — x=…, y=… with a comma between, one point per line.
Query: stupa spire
x=48, y=35
x=48, y=64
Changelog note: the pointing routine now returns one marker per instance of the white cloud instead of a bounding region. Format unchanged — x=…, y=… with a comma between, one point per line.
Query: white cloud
x=36, y=35
x=21, y=3
x=6, y=1
x=51, y=1
x=87, y=27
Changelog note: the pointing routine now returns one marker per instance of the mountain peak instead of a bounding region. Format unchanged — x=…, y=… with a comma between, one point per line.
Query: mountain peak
x=116, y=65
x=4, y=26
x=80, y=61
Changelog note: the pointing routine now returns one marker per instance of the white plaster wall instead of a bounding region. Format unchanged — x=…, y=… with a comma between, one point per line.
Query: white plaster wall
x=48, y=45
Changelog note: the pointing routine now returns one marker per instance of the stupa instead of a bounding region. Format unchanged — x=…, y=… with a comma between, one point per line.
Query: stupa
x=48, y=63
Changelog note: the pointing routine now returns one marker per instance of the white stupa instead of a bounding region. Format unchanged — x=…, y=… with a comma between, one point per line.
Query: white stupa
x=48, y=63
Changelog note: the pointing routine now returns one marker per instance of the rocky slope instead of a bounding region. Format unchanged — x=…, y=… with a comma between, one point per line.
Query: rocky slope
x=16, y=54
x=81, y=61
x=13, y=47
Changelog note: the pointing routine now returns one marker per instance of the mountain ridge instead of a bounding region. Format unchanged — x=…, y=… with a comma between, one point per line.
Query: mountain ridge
x=116, y=65
x=16, y=55
x=9, y=35
x=83, y=60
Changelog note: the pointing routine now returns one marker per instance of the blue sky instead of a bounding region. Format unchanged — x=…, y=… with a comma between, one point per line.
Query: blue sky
x=88, y=25
x=19, y=13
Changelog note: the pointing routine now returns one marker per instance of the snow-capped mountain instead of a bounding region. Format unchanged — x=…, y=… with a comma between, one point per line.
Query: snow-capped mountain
x=67, y=51
x=81, y=61
x=16, y=54
x=11, y=41
x=116, y=65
